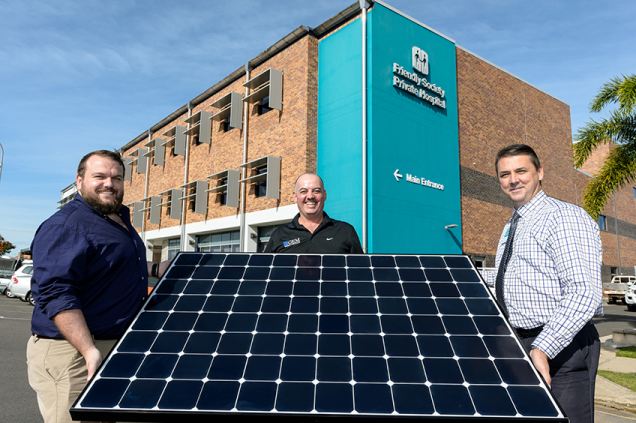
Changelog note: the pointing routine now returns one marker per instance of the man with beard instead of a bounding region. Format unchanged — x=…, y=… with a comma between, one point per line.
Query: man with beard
x=90, y=278
x=312, y=230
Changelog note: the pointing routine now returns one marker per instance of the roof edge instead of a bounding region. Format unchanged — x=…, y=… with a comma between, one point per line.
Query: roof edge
x=298, y=33
x=336, y=21
x=271, y=51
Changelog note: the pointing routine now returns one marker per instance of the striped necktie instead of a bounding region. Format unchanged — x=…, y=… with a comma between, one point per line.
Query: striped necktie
x=505, y=258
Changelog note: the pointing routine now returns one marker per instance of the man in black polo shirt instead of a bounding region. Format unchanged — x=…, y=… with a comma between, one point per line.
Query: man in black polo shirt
x=312, y=230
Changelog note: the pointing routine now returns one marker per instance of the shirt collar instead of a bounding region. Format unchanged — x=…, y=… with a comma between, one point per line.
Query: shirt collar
x=124, y=212
x=295, y=224
x=533, y=205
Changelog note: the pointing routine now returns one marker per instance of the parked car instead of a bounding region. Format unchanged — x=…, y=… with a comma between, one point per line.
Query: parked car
x=616, y=289
x=8, y=266
x=630, y=296
x=4, y=284
x=21, y=283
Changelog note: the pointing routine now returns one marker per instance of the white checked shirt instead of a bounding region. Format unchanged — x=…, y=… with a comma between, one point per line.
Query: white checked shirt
x=554, y=275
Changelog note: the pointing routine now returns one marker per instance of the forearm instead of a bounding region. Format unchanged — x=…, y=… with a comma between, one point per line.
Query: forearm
x=541, y=363
x=574, y=312
x=575, y=249
x=73, y=327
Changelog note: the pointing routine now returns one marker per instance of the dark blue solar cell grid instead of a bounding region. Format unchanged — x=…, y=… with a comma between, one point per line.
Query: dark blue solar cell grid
x=375, y=335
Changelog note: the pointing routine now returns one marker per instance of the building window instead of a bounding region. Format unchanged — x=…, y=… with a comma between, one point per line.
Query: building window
x=221, y=196
x=479, y=261
x=266, y=89
x=147, y=209
x=176, y=140
x=225, y=187
x=174, y=245
x=138, y=213
x=260, y=186
x=229, y=111
x=602, y=222
x=264, y=233
x=223, y=242
x=191, y=193
x=613, y=270
x=142, y=159
x=199, y=128
x=195, y=138
x=168, y=202
x=175, y=202
x=264, y=176
x=158, y=151
x=262, y=106
x=634, y=192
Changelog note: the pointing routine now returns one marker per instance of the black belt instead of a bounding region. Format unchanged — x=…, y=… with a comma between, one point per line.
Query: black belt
x=47, y=337
x=528, y=333
x=97, y=338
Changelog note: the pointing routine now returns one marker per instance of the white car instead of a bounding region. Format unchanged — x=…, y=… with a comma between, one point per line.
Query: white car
x=630, y=296
x=4, y=284
x=21, y=283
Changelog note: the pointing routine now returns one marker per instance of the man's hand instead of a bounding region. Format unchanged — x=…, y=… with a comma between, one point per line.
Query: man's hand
x=72, y=325
x=93, y=359
x=163, y=266
x=540, y=361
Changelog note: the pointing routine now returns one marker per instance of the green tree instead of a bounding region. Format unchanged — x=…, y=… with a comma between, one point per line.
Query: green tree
x=5, y=246
x=619, y=127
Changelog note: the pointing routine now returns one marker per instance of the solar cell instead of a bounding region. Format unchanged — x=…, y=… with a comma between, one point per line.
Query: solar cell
x=331, y=335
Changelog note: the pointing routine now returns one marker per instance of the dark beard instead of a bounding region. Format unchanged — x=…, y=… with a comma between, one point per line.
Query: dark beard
x=101, y=207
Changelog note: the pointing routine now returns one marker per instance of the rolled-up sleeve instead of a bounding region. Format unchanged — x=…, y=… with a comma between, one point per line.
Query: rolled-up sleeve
x=575, y=247
x=59, y=263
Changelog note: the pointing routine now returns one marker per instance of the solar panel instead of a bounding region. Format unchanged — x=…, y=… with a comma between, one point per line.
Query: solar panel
x=320, y=336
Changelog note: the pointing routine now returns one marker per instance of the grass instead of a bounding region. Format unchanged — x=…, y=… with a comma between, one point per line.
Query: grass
x=629, y=352
x=627, y=380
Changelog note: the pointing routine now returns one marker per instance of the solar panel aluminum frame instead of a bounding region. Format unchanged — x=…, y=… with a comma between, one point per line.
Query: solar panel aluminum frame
x=78, y=411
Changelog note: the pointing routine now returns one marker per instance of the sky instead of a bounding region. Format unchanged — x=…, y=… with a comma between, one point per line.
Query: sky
x=81, y=75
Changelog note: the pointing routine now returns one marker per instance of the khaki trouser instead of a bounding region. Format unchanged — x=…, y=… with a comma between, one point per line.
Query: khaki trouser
x=57, y=373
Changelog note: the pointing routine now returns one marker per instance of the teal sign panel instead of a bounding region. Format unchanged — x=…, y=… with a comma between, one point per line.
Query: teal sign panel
x=413, y=147
x=413, y=183
x=339, y=148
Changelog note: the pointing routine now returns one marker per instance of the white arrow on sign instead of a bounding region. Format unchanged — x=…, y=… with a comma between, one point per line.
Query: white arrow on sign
x=397, y=175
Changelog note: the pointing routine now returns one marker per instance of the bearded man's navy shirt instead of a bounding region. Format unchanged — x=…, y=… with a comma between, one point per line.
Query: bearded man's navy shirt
x=84, y=260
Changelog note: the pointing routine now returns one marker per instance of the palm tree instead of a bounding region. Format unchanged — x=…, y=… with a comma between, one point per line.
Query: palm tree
x=620, y=127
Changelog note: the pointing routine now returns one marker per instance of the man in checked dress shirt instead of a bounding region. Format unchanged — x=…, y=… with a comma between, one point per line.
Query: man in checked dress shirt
x=552, y=282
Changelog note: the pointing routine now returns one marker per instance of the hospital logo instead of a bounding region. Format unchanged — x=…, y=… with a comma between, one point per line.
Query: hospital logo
x=420, y=60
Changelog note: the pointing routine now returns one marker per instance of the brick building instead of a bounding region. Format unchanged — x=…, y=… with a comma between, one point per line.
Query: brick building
x=402, y=124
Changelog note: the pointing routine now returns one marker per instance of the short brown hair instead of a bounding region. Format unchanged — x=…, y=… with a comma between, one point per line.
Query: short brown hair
x=113, y=155
x=518, y=150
